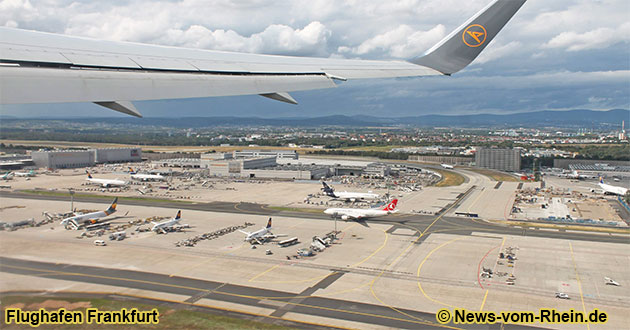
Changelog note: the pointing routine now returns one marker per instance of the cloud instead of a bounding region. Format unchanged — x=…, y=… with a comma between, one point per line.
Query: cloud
x=498, y=51
x=595, y=39
x=275, y=39
x=401, y=42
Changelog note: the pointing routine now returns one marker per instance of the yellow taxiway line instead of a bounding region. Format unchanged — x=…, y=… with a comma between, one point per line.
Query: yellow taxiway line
x=577, y=276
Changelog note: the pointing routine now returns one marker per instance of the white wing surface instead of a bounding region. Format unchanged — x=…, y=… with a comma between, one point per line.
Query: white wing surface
x=38, y=67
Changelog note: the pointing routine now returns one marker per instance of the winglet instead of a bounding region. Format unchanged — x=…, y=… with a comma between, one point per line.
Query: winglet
x=463, y=45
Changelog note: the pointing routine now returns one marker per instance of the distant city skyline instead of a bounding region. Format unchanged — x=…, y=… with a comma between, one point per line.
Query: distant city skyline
x=551, y=56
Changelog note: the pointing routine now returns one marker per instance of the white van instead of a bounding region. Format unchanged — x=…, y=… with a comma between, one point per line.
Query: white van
x=100, y=242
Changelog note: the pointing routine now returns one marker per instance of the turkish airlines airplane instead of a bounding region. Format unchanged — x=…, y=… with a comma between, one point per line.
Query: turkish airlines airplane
x=37, y=67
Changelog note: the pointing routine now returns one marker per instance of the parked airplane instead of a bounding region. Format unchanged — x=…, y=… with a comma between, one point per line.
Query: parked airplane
x=447, y=166
x=89, y=218
x=7, y=176
x=612, y=190
x=105, y=183
x=162, y=226
x=262, y=235
x=348, y=196
x=25, y=174
x=145, y=177
x=579, y=176
x=112, y=74
x=361, y=214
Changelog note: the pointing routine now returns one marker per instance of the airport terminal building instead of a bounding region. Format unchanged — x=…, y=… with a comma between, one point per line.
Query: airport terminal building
x=262, y=167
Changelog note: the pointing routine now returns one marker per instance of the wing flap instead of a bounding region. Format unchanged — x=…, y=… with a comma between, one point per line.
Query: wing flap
x=13, y=53
x=101, y=60
x=163, y=63
x=55, y=85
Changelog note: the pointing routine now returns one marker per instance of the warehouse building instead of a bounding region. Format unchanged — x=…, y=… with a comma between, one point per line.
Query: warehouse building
x=499, y=159
x=217, y=156
x=117, y=155
x=56, y=159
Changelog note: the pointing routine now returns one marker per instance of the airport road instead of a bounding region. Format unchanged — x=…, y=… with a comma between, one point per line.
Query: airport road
x=418, y=222
x=301, y=303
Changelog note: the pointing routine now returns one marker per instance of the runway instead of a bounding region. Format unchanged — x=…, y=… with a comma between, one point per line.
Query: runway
x=251, y=296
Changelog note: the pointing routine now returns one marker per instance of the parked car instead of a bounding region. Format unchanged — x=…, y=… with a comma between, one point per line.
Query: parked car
x=562, y=295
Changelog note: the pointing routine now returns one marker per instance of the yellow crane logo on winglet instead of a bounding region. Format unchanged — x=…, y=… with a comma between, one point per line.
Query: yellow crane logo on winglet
x=474, y=35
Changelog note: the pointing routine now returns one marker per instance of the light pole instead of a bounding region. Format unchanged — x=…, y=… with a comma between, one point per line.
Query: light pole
x=71, y=200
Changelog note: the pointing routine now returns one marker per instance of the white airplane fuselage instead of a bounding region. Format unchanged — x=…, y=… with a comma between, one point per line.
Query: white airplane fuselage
x=25, y=174
x=165, y=224
x=348, y=213
x=347, y=195
x=107, y=182
x=257, y=234
x=613, y=190
x=148, y=177
x=84, y=218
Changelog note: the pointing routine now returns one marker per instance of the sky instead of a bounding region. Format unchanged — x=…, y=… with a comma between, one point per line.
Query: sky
x=552, y=55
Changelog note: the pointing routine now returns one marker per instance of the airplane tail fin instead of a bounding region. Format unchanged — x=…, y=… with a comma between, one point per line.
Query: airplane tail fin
x=131, y=170
x=601, y=180
x=88, y=174
x=179, y=215
x=328, y=190
x=463, y=45
x=112, y=208
x=391, y=206
x=268, y=224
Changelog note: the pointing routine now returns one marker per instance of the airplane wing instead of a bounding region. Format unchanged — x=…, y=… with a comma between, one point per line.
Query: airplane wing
x=362, y=223
x=112, y=74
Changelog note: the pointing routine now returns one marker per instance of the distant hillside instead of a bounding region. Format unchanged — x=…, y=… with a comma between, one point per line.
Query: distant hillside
x=569, y=118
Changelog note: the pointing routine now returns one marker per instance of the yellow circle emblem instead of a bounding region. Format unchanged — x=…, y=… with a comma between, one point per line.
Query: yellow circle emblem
x=474, y=35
